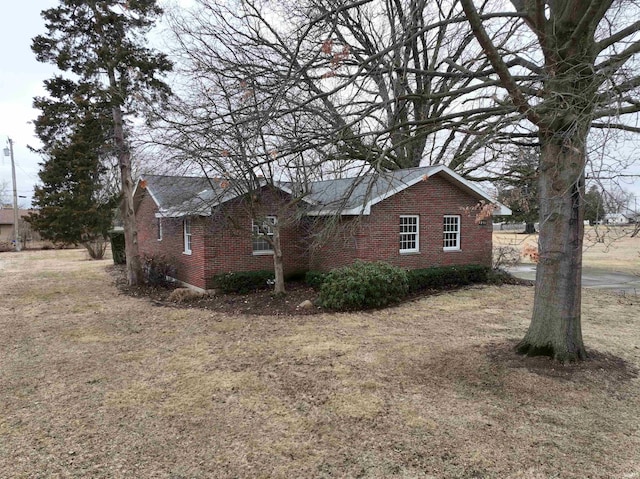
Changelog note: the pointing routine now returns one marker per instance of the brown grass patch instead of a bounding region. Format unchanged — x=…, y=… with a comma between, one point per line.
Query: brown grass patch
x=608, y=248
x=98, y=384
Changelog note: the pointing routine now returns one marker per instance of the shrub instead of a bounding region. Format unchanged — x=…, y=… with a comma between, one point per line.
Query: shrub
x=446, y=276
x=96, y=247
x=244, y=281
x=315, y=278
x=158, y=270
x=297, y=275
x=505, y=257
x=363, y=285
x=117, y=247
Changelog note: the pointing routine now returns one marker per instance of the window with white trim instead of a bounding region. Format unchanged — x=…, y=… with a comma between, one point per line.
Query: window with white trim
x=409, y=234
x=451, y=229
x=186, y=225
x=159, y=220
x=261, y=229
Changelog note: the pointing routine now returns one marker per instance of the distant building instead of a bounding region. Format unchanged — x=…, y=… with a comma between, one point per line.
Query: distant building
x=616, y=219
x=6, y=225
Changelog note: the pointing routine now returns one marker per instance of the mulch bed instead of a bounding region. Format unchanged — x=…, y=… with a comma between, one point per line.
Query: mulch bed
x=262, y=302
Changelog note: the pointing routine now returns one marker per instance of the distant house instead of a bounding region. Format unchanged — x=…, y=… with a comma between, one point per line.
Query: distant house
x=413, y=218
x=6, y=223
x=617, y=219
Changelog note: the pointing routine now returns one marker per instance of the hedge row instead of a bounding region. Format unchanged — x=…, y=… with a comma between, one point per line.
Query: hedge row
x=362, y=285
x=243, y=282
x=426, y=278
x=446, y=277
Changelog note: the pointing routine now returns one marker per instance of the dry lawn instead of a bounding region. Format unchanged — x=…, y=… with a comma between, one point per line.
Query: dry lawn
x=97, y=384
x=608, y=248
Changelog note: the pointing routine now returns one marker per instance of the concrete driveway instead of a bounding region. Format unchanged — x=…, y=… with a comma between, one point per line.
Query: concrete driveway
x=591, y=278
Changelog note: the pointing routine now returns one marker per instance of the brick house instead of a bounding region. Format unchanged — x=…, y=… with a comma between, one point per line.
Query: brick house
x=413, y=218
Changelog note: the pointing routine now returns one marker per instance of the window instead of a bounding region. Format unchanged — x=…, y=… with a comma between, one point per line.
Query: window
x=451, y=226
x=409, y=234
x=159, y=229
x=260, y=229
x=187, y=235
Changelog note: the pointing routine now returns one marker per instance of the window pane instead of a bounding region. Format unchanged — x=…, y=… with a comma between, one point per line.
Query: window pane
x=408, y=233
x=260, y=229
x=451, y=230
x=187, y=235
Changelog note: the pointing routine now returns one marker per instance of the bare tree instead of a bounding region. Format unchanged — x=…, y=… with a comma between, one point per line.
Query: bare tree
x=393, y=84
x=583, y=58
x=4, y=193
x=227, y=131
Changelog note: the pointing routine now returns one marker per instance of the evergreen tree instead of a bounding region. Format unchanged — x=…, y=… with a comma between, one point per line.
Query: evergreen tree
x=74, y=203
x=102, y=43
x=593, y=205
x=519, y=189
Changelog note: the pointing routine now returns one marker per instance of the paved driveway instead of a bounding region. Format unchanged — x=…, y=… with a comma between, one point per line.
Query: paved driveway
x=591, y=278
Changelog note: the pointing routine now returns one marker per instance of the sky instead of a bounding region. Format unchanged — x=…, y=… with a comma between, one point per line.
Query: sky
x=21, y=79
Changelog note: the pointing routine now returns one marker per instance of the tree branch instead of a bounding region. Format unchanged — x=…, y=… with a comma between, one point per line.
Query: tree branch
x=496, y=61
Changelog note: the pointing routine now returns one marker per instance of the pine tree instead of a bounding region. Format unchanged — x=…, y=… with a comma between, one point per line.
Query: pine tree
x=103, y=43
x=74, y=204
x=594, y=210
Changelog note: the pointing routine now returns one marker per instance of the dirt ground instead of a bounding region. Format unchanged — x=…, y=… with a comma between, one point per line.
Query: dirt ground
x=97, y=383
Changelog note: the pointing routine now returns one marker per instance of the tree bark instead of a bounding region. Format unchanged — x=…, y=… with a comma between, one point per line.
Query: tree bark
x=555, y=325
x=134, y=265
x=278, y=267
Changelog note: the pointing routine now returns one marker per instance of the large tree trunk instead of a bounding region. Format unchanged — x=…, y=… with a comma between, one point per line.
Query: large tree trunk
x=134, y=265
x=277, y=262
x=555, y=326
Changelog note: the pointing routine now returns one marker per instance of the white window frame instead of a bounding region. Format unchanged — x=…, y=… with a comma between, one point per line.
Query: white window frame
x=159, y=226
x=262, y=245
x=186, y=235
x=408, y=236
x=450, y=234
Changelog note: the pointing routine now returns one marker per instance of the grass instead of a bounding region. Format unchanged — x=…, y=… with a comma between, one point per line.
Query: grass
x=608, y=248
x=95, y=384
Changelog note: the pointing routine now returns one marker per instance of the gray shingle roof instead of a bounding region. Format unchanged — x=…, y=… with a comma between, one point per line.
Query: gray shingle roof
x=352, y=194
x=179, y=195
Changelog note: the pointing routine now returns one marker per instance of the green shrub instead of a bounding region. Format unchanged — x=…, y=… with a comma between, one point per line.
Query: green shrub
x=297, y=275
x=117, y=247
x=446, y=276
x=363, y=285
x=244, y=281
x=158, y=270
x=315, y=278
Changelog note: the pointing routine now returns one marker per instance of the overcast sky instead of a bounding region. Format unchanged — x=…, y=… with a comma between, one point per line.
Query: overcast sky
x=21, y=78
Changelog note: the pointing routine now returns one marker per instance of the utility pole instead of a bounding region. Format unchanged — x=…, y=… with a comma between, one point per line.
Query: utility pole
x=16, y=216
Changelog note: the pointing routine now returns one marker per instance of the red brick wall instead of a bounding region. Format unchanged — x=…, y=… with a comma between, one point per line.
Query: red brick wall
x=220, y=243
x=334, y=245
x=229, y=243
x=189, y=268
x=377, y=235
